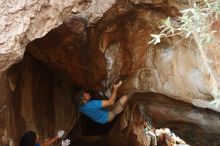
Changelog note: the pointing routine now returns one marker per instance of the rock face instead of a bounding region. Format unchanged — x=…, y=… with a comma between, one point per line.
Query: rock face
x=20, y=23
x=98, y=43
x=195, y=126
x=117, y=48
x=40, y=102
x=23, y=21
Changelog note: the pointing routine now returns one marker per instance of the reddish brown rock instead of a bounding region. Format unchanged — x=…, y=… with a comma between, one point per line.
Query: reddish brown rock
x=39, y=102
x=92, y=53
x=22, y=22
x=117, y=48
x=195, y=126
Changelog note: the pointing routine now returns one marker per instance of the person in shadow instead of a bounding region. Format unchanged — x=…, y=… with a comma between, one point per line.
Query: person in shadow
x=30, y=138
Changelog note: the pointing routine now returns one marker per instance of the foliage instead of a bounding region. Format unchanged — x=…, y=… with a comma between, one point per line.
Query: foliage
x=194, y=23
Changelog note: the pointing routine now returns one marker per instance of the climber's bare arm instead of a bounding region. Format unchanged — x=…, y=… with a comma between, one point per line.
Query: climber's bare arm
x=112, y=99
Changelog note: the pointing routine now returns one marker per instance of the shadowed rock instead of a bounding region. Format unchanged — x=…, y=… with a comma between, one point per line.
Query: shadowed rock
x=198, y=127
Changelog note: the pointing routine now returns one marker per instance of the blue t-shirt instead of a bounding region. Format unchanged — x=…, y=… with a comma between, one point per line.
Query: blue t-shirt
x=94, y=110
x=37, y=144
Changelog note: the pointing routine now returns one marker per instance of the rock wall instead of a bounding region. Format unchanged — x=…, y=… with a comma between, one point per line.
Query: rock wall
x=197, y=127
x=117, y=48
x=24, y=21
x=40, y=102
x=20, y=23
x=161, y=68
x=98, y=43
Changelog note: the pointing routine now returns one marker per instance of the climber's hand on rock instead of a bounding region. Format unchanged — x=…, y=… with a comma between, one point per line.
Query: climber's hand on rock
x=118, y=85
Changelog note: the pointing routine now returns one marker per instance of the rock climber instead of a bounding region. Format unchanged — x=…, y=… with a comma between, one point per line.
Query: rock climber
x=30, y=138
x=102, y=111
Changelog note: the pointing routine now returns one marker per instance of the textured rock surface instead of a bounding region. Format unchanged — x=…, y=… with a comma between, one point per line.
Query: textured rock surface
x=66, y=49
x=40, y=102
x=195, y=126
x=99, y=42
x=20, y=23
x=23, y=21
x=117, y=48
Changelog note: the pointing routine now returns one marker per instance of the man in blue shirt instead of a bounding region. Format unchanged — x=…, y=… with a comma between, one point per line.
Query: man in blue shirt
x=96, y=109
